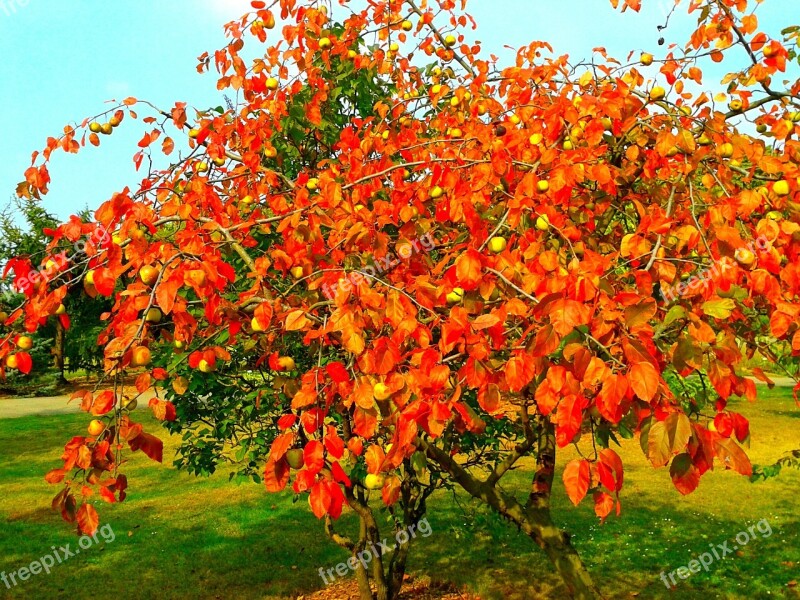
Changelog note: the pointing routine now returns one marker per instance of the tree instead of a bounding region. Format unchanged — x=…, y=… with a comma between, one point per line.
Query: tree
x=427, y=273
x=28, y=241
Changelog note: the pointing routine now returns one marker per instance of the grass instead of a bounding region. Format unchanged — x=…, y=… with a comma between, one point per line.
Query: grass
x=178, y=536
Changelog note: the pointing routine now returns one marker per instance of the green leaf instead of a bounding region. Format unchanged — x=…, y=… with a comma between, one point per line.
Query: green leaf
x=720, y=309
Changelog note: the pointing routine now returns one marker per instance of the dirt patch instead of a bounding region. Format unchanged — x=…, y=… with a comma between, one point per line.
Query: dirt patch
x=413, y=589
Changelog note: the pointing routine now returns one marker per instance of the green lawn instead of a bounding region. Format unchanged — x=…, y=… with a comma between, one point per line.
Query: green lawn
x=181, y=537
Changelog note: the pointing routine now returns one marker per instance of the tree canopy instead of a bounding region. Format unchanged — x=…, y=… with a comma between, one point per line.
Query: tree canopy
x=397, y=264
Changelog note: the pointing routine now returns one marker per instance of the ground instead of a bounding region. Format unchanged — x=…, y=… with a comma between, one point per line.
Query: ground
x=177, y=536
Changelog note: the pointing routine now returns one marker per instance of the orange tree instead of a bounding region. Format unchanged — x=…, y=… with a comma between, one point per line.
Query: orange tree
x=397, y=265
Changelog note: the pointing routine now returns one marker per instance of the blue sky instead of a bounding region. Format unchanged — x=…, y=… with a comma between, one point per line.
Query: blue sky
x=63, y=59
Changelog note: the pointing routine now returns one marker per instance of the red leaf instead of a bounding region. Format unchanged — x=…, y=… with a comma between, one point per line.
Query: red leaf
x=391, y=490
x=24, y=362
x=576, y=479
x=337, y=372
x=104, y=281
x=314, y=456
x=644, y=380
x=603, y=504
x=103, y=403
x=684, y=474
x=55, y=476
x=88, y=520
x=375, y=457
x=276, y=475
x=320, y=499
x=149, y=444
x=469, y=271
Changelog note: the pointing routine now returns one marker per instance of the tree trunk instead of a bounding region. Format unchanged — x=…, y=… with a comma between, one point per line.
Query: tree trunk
x=534, y=519
x=555, y=543
x=58, y=351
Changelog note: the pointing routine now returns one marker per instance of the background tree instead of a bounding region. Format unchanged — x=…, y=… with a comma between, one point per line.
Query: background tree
x=607, y=251
x=24, y=227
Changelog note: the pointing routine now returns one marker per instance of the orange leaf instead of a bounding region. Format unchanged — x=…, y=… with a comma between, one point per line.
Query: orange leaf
x=644, y=380
x=88, y=520
x=576, y=479
x=296, y=320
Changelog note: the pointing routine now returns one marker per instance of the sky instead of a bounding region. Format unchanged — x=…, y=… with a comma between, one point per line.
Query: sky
x=64, y=59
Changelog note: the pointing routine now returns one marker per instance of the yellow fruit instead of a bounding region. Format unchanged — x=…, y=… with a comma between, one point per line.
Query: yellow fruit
x=295, y=458
x=270, y=21
x=436, y=89
x=179, y=344
x=194, y=132
x=95, y=127
x=106, y=128
x=657, y=93
x=568, y=145
x=436, y=193
x=312, y=184
x=204, y=366
x=407, y=25
x=394, y=47
x=153, y=315
x=725, y=150
x=325, y=43
x=114, y=121
x=270, y=152
x=201, y=167
x=775, y=215
x=781, y=188
x=735, y=105
x=272, y=83
x=703, y=140
x=542, y=223
x=352, y=54
x=374, y=482
x=61, y=309
x=542, y=185
x=745, y=257
x=455, y=296
x=117, y=239
x=247, y=199
x=536, y=139
x=140, y=356
x=608, y=124
x=286, y=363
x=96, y=427
x=646, y=59
x=24, y=342
x=89, y=278
x=297, y=272
x=795, y=117
x=497, y=244
x=381, y=391
x=450, y=40
x=11, y=361
x=219, y=161
x=148, y=274
x=456, y=133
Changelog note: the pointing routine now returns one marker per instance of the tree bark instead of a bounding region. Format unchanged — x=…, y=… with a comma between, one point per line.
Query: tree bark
x=534, y=521
x=59, y=351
